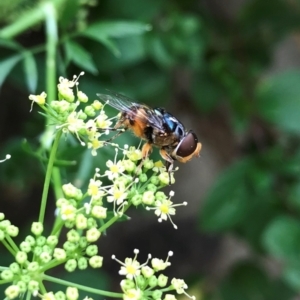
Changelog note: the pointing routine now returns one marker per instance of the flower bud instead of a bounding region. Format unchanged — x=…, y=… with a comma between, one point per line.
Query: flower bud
x=52, y=240
x=12, y=230
x=96, y=261
x=90, y=111
x=97, y=105
x=7, y=275
x=152, y=281
x=143, y=177
x=40, y=241
x=148, y=198
x=37, y=228
x=82, y=97
x=12, y=292
x=92, y=250
x=71, y=265
x=162, y=280
x=151, y=187
x=72, y=293
x=73, y=236
x=59, y=254
x=33, y=285
x=92, y=235
x=136, y=200
x=21, y=257
x=82, y=263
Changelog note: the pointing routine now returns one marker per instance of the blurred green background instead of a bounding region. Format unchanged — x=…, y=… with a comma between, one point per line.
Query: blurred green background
x=230, y=70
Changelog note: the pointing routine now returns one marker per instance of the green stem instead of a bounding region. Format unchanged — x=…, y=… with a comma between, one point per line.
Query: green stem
x=112, y=220
x=82, y=287
x=52, y=264
x=58, y=224
x=51, y=45
x=48, y=176
x=56, y=182
x=10, y=245
x=28, y=295
x=42, y=288
x=29, y=19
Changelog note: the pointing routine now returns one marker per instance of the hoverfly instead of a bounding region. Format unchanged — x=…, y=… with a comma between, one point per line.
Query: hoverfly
x=157, y=127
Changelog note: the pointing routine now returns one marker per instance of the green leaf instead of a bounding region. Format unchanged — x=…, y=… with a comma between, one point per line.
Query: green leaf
x=245, y=282
x=291, y=275
x=80, y=57
x=111, y=45
x=226, y=203
x=115, y=29
x=7, y=65
x=279, y=101
x=282, y=238
x=30, y=69
x=104, y=31
x=10, y=44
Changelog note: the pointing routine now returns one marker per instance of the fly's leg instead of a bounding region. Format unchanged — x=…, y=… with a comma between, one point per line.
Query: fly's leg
x=169, y=162
x=119, y=132
x=146, y=150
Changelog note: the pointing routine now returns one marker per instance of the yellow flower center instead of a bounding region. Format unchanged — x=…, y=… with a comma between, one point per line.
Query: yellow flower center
x=94, y=190
x=131, y=269
x=164, y=208
x=114, y=169
x=117, y=194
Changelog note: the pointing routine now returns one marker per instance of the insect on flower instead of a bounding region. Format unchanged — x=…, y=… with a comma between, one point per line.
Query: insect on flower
x=157, y=127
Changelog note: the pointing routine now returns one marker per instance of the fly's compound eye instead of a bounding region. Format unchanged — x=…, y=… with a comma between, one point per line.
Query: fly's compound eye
x=187, y=145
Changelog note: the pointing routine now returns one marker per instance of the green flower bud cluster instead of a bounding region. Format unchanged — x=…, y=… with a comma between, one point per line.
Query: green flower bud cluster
x=37, y=253
x=6, y=228
x=71, y=293
x=72, y=113
x=144, y=282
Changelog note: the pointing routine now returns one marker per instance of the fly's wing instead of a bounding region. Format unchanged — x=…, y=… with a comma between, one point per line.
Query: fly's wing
x=125, y=104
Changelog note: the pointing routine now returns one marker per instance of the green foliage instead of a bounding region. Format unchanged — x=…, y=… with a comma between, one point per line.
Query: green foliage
x=278, y=101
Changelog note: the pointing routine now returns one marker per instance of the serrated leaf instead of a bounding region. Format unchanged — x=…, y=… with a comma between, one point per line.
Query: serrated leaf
x=282, y=238
x=80, y=57
x=226, y=203
x=279, y=101
x=7, y=65
x=30, y=69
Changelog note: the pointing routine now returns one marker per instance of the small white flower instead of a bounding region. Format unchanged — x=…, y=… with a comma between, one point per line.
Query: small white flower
x=165, y=208
x=94, y=189
x=102, y=121
x=118, y=194
x=159, y=264
x=68, y=212
x=131, y=267
x=115, y=169
x=95, y=144
x=39, y=99
x=180, y=286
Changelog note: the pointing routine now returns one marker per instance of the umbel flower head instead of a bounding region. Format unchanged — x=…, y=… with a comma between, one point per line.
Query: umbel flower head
x=133, y=181
x=142, y=280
